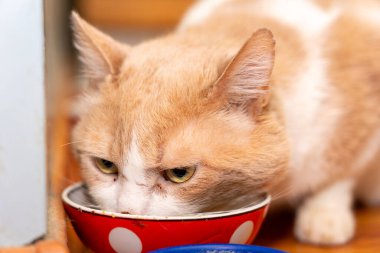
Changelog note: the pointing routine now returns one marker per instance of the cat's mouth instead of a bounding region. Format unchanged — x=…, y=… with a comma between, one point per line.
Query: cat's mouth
x=81, y=197
x=220, y=205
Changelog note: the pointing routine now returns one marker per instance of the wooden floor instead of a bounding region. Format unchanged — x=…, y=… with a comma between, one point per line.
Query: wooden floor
x=277, y=232
x=277, y=228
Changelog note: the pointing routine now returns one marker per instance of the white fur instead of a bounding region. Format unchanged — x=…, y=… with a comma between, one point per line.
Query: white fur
x=304, y=103
x=133, y=164
x=302, y=15
x=135, y=193
x=303, y=107
x=102, y=190
x=199, y=12
x=372, y=16
x=327, y=218
x=168, y=205
x=369, y=12
x=132, y=194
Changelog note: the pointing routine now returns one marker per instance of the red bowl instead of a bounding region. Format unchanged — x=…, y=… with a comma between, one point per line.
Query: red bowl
x=104, y=231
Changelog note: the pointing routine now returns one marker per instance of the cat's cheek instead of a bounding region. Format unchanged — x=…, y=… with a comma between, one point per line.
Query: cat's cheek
x=104, y=196
x=102, y=188
x=186, y=198
x=169, y=205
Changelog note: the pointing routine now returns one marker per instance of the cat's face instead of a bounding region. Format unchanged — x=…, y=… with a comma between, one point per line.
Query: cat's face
x=164, y=132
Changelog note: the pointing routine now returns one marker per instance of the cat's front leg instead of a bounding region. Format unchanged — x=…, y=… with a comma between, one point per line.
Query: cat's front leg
x=327, y=218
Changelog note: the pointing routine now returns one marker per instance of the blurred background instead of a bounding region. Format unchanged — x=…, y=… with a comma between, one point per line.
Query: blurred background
x=130, y=21
x=40, y=78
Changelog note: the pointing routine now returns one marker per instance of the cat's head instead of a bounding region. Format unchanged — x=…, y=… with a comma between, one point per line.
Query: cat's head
x=171, y=127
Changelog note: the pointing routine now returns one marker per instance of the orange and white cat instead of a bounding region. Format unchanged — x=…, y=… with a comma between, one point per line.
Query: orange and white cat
x=245, y=96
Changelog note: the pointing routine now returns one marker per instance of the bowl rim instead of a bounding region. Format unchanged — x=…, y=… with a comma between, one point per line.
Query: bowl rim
x=218, y=247
x=200, y=216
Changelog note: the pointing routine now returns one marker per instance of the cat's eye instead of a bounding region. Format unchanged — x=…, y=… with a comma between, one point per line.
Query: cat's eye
x=179, y=175
x=106, y=166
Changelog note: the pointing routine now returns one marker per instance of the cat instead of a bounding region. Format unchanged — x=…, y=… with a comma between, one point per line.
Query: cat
x=244, y=96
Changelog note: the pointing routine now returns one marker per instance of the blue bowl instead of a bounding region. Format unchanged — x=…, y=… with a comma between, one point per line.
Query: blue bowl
x=217, y=248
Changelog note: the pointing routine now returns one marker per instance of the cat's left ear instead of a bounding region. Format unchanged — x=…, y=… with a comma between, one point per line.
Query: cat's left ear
x=101, y=55
x=245, y=82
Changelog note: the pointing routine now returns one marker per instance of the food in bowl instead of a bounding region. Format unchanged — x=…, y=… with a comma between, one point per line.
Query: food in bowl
x=104, y=231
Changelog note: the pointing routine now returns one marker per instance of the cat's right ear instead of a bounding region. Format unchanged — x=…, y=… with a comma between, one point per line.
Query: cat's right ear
x=101, y=55
x=245, y=82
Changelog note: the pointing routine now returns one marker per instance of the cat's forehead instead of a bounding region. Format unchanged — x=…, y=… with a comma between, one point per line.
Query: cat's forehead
x=171, y=66
x=153, y=97
x=158, y=92
x=166, y=81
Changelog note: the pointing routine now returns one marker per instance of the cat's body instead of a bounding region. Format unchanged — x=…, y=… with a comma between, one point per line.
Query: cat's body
x=173, y=102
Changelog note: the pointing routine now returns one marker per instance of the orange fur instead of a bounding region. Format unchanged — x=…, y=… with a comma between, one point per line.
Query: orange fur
x=210, y=95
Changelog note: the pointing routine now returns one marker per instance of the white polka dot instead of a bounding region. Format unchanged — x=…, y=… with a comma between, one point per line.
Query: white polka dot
x=242, y=233
x=123, y=240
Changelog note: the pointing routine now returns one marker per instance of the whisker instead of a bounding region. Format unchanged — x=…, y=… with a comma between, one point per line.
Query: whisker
x=73, y=142
x=69, y=143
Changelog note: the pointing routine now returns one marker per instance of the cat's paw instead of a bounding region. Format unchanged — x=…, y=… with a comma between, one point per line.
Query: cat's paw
x=324, y=225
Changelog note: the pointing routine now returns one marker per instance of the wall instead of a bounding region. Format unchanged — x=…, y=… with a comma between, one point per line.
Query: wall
x=22, y=122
